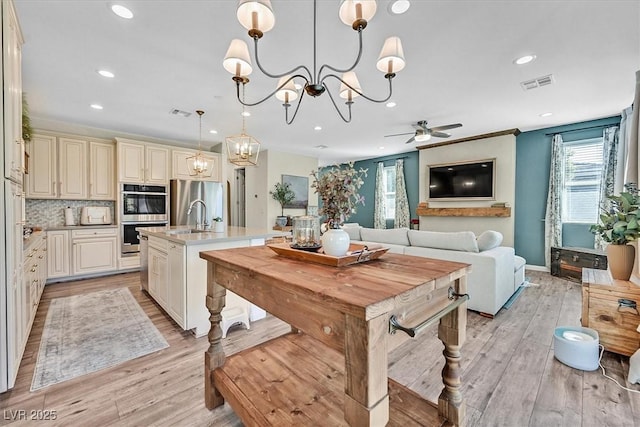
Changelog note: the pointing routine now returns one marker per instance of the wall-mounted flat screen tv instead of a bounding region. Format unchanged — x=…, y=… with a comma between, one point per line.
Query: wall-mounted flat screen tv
x=473, y=180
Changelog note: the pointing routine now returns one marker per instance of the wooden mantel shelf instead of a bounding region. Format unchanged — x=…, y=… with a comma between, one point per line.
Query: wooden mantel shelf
x=423, y=209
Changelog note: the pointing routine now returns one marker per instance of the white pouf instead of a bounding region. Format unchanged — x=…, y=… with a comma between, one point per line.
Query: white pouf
x=577, y=347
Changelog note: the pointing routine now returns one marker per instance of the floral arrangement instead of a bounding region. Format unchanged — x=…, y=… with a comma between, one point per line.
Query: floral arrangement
x=620, y=224
x=338, y=189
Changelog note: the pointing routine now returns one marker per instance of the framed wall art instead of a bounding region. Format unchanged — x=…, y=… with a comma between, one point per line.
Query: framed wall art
x=300, y=187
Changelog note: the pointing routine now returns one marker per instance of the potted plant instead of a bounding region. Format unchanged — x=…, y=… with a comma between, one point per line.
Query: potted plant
x=338, y=190
x=619, y=226
x=284, y=195
x=218, y=225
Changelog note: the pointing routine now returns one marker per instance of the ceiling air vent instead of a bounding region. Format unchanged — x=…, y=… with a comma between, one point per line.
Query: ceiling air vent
x=537, y=82
x=176, y=112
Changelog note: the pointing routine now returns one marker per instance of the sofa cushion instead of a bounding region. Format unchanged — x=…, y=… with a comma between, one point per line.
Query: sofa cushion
x=352, y=230
x=396, y=236
x=488, y=240
x=456, y=241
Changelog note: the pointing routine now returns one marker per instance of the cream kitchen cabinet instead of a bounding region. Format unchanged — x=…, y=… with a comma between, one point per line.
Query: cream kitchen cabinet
x=177, y=276
x=102, y=171
x=58, y=257
x=12, y=90
x=71, y=168
x=180, y=169
x=159, y=271
x=94, y=250
x=142, y=163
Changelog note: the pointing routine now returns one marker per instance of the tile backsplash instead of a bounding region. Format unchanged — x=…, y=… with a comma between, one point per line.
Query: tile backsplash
x=50, y=213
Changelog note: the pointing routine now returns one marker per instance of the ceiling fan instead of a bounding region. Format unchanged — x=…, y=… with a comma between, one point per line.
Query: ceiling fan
x=424, y=133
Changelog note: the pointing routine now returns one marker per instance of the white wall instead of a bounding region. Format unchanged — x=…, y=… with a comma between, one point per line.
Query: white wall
x=262, y=210
x=503, y=149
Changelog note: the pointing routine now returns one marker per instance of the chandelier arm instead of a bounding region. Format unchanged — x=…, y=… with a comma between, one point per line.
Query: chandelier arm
x=253, y=104
x=275, y=76
x=339, y=70
x=388, y=77
x=295, y=113
x=337, y=108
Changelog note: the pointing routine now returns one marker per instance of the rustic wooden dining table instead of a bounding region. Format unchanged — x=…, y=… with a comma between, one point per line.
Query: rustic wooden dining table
x=332, y=368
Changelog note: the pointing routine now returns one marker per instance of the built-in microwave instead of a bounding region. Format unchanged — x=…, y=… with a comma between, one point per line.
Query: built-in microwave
x=144, y=203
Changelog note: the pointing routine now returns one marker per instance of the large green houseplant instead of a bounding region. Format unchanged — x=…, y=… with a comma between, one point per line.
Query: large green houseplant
x=619, y=226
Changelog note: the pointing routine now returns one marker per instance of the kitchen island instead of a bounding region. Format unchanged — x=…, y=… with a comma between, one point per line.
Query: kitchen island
x=177, y=277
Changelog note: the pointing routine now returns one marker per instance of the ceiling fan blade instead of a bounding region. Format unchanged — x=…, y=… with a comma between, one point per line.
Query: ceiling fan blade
x=413, y=138
x=439, y=134
x=445, y=127
x=399, y=134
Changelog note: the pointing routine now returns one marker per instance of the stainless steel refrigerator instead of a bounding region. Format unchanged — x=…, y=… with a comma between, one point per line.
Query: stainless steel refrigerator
x=182, y=193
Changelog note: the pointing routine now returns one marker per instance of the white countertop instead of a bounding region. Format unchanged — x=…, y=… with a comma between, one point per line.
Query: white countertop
x=231, y=233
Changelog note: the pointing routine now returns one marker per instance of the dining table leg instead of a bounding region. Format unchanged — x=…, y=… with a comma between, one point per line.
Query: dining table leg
x=214, y=357
x=452, y=333
x=366, y=385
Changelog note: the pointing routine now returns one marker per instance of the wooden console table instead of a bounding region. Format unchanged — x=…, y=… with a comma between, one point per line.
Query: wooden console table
x=334, y=370
x=611, y=307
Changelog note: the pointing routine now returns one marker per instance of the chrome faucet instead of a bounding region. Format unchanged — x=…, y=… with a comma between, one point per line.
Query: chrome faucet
x=206, y=224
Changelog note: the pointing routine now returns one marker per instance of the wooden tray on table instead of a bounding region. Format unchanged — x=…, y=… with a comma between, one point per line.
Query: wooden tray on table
x=357, y=253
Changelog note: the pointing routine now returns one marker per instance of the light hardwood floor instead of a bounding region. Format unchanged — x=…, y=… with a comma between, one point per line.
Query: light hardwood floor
x=510, y=377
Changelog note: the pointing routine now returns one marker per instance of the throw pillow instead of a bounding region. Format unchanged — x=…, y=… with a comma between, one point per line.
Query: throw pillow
x=352, y=231
x=488, y=240
x=395, y=236
x=456, y=241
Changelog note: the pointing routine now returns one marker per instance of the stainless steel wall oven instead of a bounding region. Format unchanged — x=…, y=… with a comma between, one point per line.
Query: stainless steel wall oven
x=141, y=206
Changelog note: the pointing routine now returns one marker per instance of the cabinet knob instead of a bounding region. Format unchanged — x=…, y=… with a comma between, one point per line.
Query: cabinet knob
x=575, y=258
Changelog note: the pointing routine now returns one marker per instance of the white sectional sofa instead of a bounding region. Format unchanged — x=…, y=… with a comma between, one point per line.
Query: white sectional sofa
x=496, y=272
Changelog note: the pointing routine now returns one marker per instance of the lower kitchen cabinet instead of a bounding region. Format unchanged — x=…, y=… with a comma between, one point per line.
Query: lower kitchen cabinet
x=94, y=250
x=177, y=277
x=81, y=252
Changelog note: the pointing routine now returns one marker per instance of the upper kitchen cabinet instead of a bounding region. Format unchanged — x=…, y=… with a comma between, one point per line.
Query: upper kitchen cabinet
x=12, y=92
x=71, y=168
x=142, y=163
x=180, y=170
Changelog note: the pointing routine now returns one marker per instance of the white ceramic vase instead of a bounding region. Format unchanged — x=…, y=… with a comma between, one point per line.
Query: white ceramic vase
x=335, y=242
x=218, y=227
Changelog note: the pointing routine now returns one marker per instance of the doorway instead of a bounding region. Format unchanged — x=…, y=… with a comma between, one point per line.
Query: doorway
x=239, y=193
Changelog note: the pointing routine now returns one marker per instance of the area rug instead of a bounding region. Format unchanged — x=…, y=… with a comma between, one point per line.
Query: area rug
x=86, y=333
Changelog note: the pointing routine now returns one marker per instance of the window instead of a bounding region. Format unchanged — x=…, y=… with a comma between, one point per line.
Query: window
x=389, y=182
x=582, y=169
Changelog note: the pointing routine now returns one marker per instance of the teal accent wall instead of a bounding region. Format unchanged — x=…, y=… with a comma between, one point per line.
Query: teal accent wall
x=533, y=156
x=364, y=214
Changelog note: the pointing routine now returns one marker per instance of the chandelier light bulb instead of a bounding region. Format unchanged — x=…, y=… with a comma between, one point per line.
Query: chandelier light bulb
x=256, y=16
x=350, y=79
x=352, y=11
x=237, y=60
x=288, y=92
x=391, y=59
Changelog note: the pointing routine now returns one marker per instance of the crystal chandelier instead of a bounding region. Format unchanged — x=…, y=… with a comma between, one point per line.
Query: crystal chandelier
x=198, y=164
x=257, y=17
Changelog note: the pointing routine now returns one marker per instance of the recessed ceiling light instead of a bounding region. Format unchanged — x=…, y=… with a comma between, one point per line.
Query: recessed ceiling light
x=547, y=114
x=391, y=104
x=524, y=59
x=105, y=73
x=380, y=148
x=317, y=128
x=121, y=11
x=397, y=7
x=321, y=146
x=96, y=106
x=213, y=131
x=246, y=113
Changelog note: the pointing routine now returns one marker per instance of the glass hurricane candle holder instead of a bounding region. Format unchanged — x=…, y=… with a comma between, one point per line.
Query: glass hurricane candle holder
x=306, y=232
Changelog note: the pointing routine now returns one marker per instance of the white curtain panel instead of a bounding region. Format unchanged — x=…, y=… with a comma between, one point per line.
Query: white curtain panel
x=608, y=184
x=553, y=217
x=632, y=165
x=379, y=220
x=626, y=163
x=403, y=216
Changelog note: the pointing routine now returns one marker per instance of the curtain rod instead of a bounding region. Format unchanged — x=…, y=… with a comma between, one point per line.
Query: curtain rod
x=392, y=158
x=579, y=129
